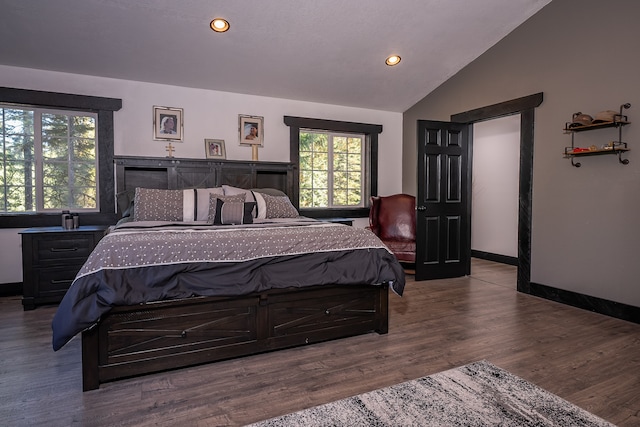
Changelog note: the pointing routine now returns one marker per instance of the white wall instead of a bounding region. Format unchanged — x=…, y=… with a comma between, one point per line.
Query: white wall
x=10, y=256
x=207, y=114
x=494, y=207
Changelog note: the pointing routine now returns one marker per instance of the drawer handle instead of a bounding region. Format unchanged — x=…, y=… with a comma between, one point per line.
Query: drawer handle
x=58, y=282
x=64, y=249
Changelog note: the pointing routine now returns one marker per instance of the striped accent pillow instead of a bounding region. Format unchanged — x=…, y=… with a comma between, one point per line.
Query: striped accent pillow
x=228, y=213
x=213, y=204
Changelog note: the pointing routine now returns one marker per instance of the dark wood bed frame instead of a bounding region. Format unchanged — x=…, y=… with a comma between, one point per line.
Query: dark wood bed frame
x=135, y=340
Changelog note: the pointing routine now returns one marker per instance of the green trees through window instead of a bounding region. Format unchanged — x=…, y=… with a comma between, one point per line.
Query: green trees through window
x=48, y=160
x=18, y=162
x=338, y=166
x=331, y=169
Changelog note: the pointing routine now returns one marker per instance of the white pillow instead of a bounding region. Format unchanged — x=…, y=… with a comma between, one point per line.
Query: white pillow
x=213, y=203
x=261, y=206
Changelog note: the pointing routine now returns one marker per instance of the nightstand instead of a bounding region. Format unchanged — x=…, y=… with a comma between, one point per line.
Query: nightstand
x=345, y=221
x=51, y=258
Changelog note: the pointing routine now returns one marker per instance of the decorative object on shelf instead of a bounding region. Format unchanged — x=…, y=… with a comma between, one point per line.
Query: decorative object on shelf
x=604, y=119
x=580, y=119
x=251, y=130
x=169, y=149
x=607, y=116
x=214, y=149
x=167, y=124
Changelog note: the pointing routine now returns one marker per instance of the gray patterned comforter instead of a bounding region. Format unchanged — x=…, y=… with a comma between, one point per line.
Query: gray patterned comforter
x=142, y=262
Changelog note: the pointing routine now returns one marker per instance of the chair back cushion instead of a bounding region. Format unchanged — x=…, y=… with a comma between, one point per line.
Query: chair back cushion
x=393, y=218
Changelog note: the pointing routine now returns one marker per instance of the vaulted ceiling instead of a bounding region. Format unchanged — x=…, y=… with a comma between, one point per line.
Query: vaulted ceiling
x=327, y=51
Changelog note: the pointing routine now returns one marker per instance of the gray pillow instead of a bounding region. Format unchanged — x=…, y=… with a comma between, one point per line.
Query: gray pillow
x=279, y=207
x=158, y=205
x=233, y=191
x=270, y=191
x=213, y=204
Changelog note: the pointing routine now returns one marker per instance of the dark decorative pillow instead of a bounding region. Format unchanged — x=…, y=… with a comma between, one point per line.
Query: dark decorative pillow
x=279, y=207
x=228, y=213
x=158, y=205
x=213, y=204
x=125, y=202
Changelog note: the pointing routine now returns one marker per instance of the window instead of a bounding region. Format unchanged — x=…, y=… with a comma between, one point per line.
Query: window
x=89, y=177
x=48, y=160
x=331, y=169
x=338, y=166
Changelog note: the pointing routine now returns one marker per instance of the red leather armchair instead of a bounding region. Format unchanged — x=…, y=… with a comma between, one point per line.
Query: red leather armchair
x=393, y=220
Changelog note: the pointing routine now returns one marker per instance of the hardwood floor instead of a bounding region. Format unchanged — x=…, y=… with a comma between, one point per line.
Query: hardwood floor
x=586, y=358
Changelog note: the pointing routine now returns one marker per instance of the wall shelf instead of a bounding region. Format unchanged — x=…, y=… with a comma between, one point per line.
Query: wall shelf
x=615, y=147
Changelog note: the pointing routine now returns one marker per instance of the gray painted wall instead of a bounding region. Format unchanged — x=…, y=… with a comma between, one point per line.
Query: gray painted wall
x=584, y=57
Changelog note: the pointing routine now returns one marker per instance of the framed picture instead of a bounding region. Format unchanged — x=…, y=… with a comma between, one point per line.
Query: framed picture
x=251, y=130
x=214, y=149
x=167, y=124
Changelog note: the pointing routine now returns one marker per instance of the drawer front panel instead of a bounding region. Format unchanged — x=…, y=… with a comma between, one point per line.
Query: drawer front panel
x=323, y=312
x=62, y=247
x=150, y=334
x=54, y=281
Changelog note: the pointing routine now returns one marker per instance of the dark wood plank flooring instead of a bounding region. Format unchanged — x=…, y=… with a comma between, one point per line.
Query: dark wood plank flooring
x=586, y=358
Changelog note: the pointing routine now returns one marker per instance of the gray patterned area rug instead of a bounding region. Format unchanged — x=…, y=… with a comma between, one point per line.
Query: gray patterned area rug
x=478, y=394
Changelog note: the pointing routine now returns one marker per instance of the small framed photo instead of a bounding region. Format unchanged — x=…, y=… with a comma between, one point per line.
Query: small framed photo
x=251, y=130
x=167, y=123
x=214, y=149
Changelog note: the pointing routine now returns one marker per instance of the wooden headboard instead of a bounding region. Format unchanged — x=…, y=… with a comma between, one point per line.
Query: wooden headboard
x=174, y=174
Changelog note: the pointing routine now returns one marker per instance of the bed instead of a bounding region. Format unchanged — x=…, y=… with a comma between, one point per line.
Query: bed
x=163, y=292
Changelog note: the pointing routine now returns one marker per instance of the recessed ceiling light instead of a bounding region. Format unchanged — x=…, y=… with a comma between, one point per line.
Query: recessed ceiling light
x=393, y=60
x=219, y=25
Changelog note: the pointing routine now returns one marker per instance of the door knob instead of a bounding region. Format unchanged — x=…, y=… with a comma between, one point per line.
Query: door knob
x=422, y=208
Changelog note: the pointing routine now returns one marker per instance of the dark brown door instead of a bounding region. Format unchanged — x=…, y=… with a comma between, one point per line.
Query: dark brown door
x=443, y=206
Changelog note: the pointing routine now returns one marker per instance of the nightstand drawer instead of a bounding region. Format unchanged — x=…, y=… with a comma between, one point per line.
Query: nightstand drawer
x=65, y=247
x=54, y=281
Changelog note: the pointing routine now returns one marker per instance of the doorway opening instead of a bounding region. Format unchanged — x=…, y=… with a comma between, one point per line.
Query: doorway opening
x=524, y=106
x=494, y=189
